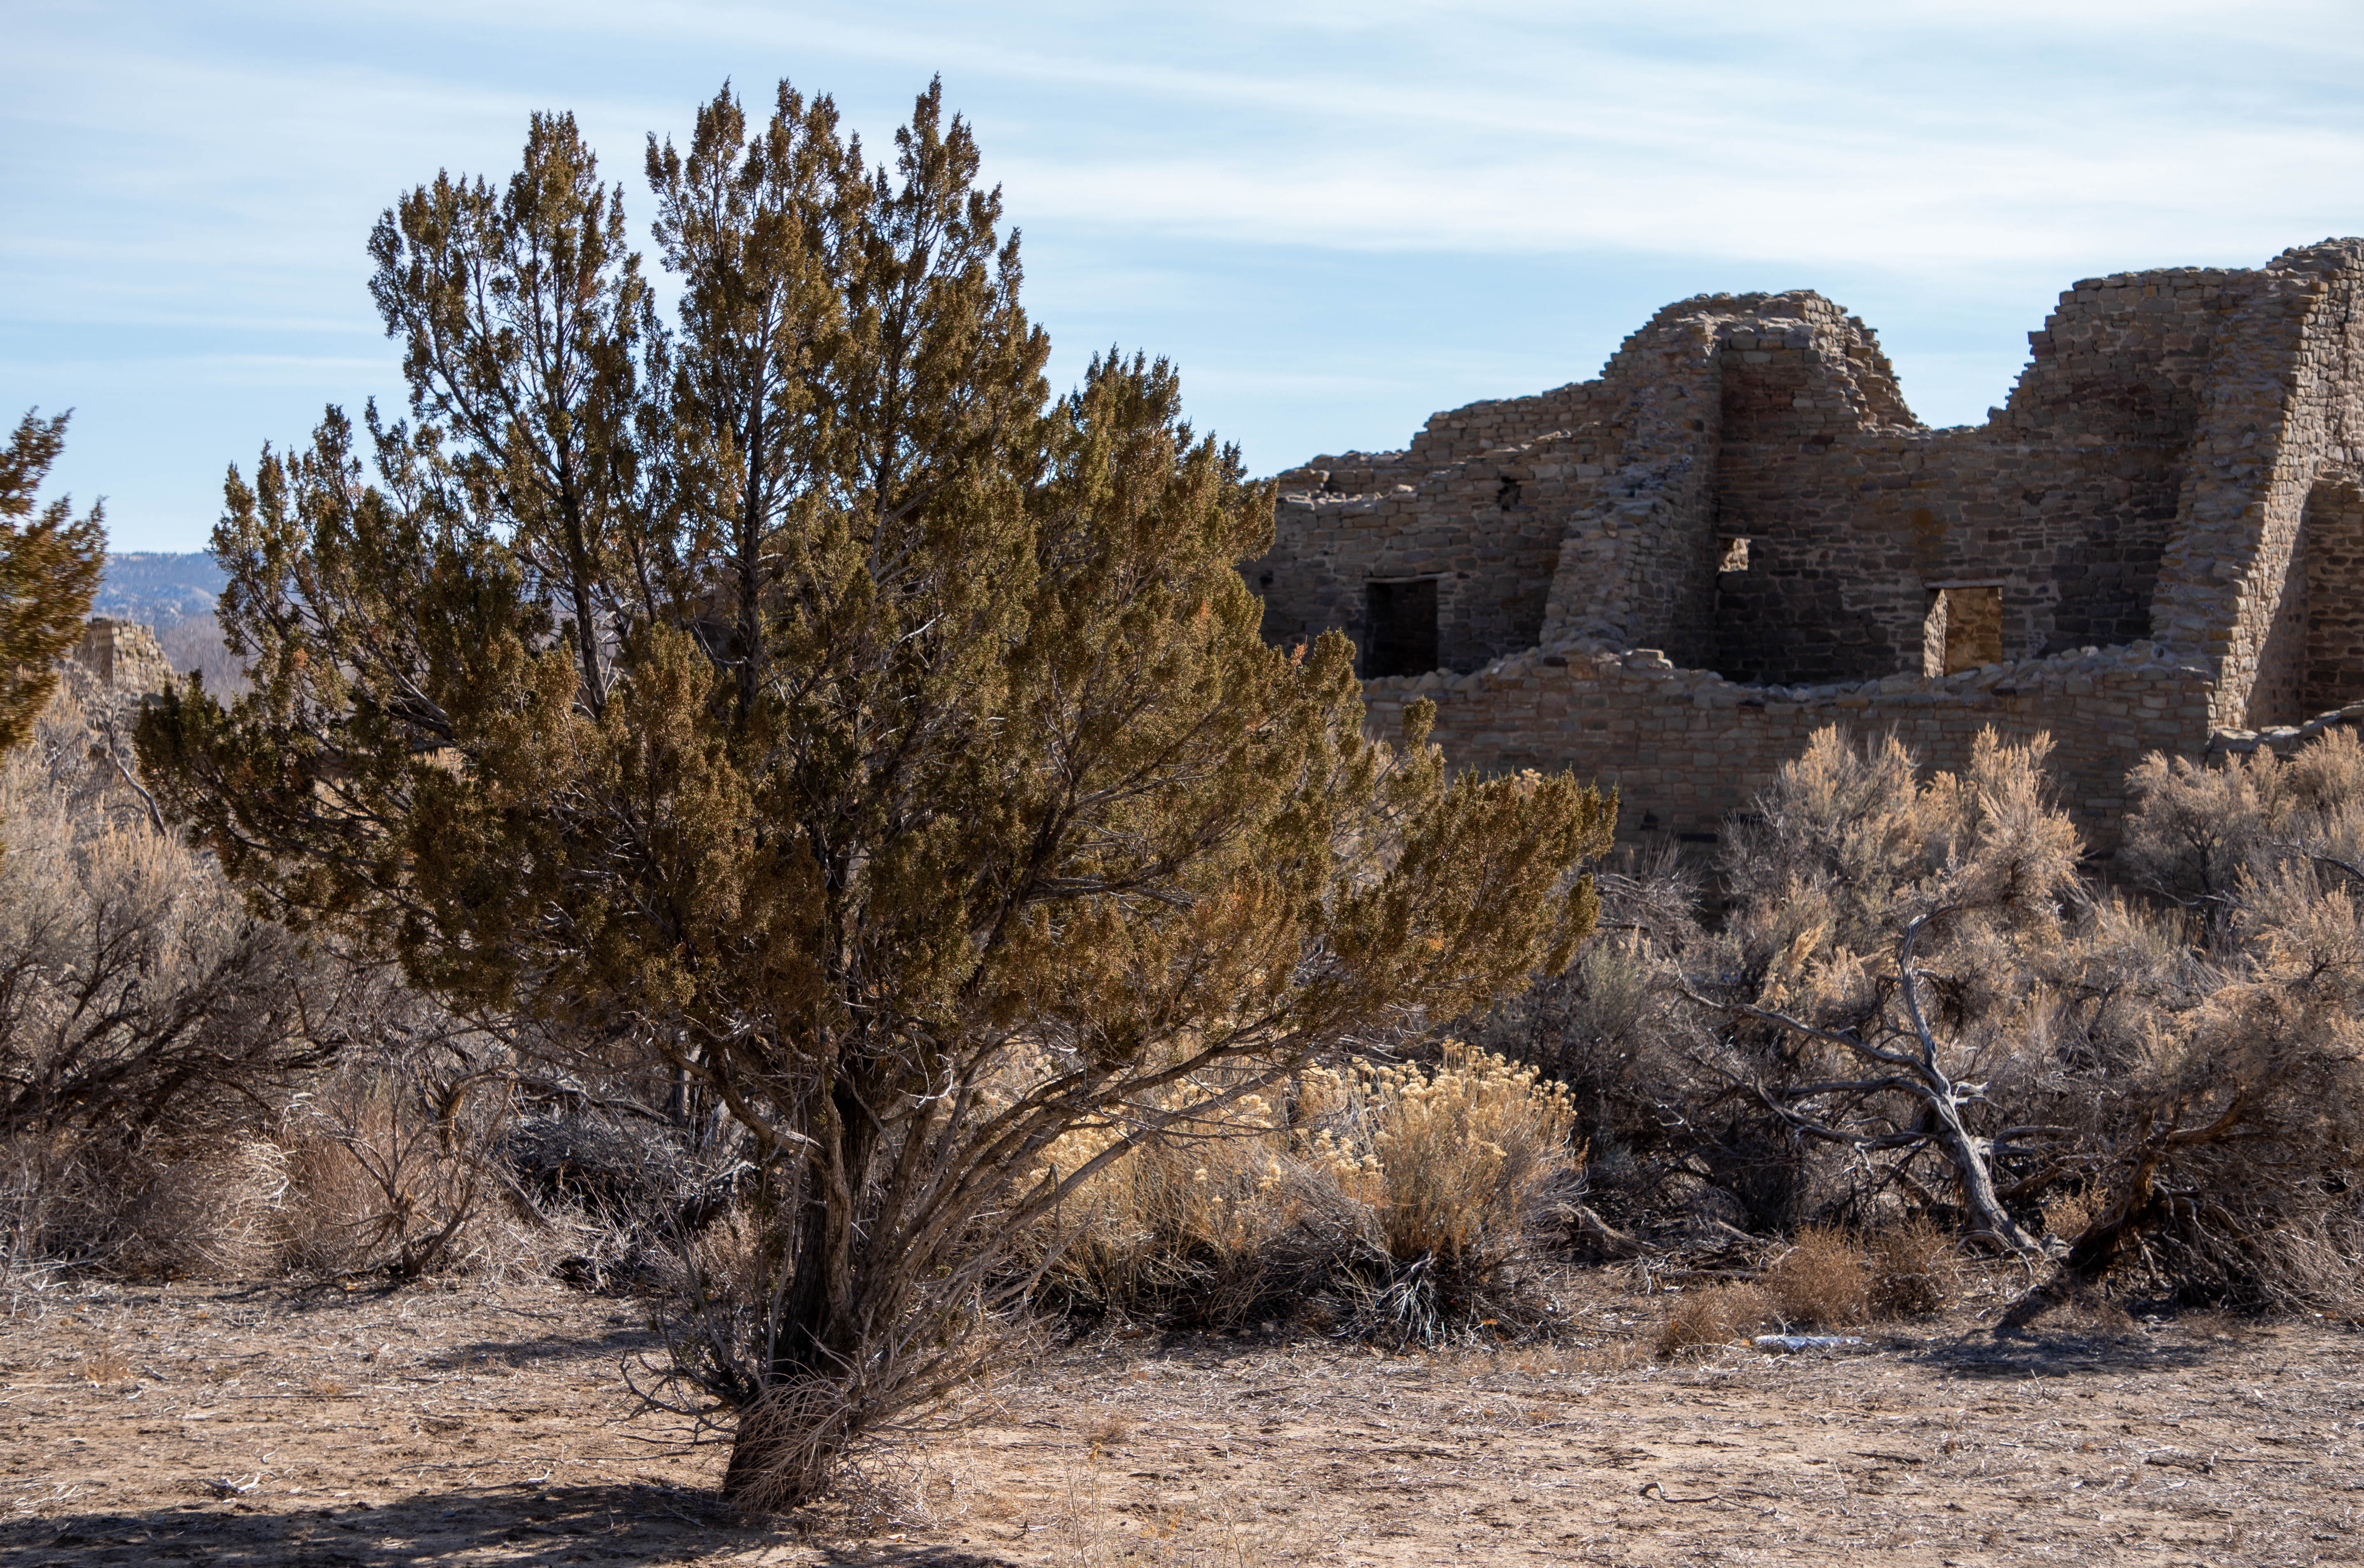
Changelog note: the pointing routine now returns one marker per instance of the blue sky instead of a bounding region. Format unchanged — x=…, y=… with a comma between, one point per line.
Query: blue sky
x=1335, y=218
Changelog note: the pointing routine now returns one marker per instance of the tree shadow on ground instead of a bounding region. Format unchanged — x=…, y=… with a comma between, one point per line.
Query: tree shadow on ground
x=2060, y=1353
x=554, y=1348
x=604, y=1524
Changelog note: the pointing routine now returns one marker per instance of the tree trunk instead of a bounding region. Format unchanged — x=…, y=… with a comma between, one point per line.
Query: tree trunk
x=1969, y=1161
x=789, y=1438
x=1978, y=1194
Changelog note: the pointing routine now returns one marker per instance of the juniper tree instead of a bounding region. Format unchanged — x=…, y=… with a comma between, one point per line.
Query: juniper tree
x=806, y=694
x=50, y=566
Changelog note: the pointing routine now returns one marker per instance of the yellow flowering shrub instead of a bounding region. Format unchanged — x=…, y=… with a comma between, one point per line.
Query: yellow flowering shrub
x=1360, y=1166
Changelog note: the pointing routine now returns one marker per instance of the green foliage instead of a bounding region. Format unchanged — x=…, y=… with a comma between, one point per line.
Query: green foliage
x=50, y=566
x=804, y=695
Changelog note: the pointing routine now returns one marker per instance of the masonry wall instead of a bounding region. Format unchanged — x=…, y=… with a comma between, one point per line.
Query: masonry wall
x=2282, y=405
x=1457, y=435
x=1776, y=418
x=1489, y=531
x=123, y=654
x=1639, y=561
x=1687, y=749
x=2332, y=595
x=2162, y=534
x=2065, y=498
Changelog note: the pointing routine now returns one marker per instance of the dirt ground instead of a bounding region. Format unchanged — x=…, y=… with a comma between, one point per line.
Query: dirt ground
x=285, y=1426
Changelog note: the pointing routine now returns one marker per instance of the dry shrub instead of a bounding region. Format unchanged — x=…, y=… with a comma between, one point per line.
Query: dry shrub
x=1915, y=1269
x=103, y=1365
x=143, y=1211
x=2230, y=1133
x=1182, y=1226
x=2091, y=1308
x=139, y=999
x=1396, y=1195
x=1820, y=1282
x=394, y=1169
x=1450, y=1161
x=1613, y=1027
x=2066, y=1214
x=2173, y=1078
x=719, y=1271
x=1717, y=1315
x=154, y=1034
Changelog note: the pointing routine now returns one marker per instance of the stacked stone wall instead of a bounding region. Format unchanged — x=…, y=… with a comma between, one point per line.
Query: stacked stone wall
x=1639, y=561
x=2332, y=586
x=2280, y=409
x=2286, y=741
x=2126, y=357
x=123, y=655
x=1457, y=435
x=2160, y=537
x=2065, y=499
x=1687, y=750
x=1489, y=532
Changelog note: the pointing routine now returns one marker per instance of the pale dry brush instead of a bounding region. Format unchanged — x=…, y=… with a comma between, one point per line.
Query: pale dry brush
x=396, y=1166
x=148, y=1023
x=1395, y=1198
x=1612, y=1030
x=171, y=1094
x=1713, y=1317
x=1914, y=992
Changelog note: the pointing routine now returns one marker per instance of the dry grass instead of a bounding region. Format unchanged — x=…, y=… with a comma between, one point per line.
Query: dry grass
x=1916, y=1270
x=2066, y=1213
x=103, y=1364
x=154, y=1212
x=1827, y=1278
x=1820, y=1282
x=1319, y=1202
x=1715, y=1316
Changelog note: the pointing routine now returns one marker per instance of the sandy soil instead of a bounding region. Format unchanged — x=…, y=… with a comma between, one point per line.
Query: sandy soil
x=273, y=1426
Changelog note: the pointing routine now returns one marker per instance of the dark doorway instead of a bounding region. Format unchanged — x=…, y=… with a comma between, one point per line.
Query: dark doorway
x=2331, y=546
x=1399, y=631
x=2311, y=659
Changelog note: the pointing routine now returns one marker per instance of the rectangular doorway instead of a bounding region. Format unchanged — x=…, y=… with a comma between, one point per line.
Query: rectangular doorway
x=1399, y=628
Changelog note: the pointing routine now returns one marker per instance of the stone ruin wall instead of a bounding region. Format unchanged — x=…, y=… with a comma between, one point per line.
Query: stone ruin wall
x=2158, y=544
x=123, y=655
x=2062, y=500
x=1687, y=749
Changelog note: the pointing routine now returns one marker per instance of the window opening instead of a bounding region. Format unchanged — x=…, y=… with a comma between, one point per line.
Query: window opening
x=1964, y=628
x=1400, y=635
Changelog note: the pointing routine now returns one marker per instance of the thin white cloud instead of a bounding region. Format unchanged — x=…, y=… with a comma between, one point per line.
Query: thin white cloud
x=1573, y=144
x=203, y=177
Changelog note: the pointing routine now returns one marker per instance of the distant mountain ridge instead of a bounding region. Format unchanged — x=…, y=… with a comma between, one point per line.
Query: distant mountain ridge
x=159, y=588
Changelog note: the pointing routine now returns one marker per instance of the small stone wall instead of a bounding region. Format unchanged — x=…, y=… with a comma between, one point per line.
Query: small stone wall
x=124, y=655
x=2284, y=740
x=1687, y=749
x=1457, y=435
x=1487, y=532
